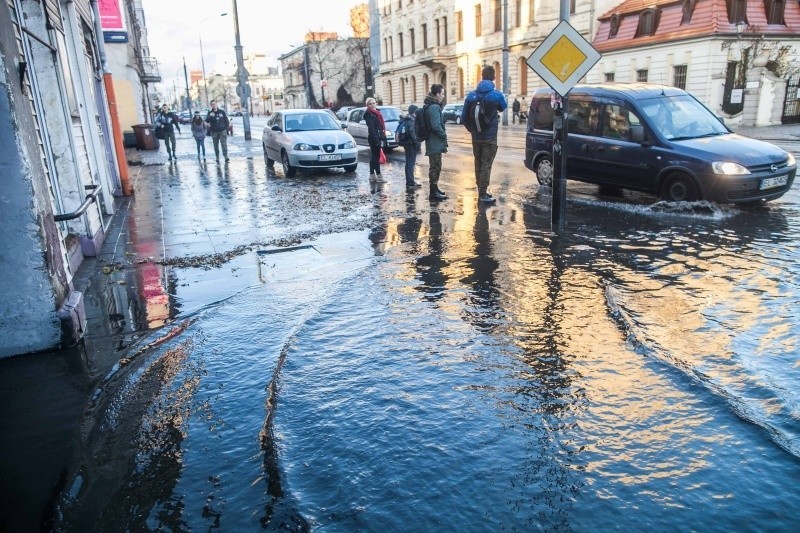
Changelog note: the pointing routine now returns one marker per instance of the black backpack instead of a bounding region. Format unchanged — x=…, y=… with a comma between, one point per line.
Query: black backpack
x=478, y=116
x=403, y=134
x=422, y=126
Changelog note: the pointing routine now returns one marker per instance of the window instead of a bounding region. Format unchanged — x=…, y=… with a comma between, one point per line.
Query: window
x=583, y=117
x=774, y=10
x=572, y=6
x=679, y=76
x=444, y=29
x=737, y=11
x=412, y=40
x=648, y=21
x=609, y=77
x=617, y=121
x=688, y=9
x=400, y=43
x=438, y=33
x=478, y=20
x=391, y=50
x=498, y=16
x=613, y=25
x=459, y=26
x=641, y=75
x=517, y=13
x=424, y=36
x=413, y=87
x=542, y=113
x=531, y=11
x=399, y=5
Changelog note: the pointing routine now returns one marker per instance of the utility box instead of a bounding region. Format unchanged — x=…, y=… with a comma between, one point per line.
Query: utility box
x=145, y=140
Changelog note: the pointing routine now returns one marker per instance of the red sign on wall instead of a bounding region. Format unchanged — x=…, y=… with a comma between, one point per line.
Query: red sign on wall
x=110, y=15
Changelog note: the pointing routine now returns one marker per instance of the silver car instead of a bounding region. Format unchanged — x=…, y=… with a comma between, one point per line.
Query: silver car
x=357, y=126
x=307, y=138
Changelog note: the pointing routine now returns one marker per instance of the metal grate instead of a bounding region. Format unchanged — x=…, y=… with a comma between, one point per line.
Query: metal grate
x=679, y=76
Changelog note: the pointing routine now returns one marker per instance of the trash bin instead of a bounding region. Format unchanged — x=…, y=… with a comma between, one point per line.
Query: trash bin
x=129, y=139
x=145, y=140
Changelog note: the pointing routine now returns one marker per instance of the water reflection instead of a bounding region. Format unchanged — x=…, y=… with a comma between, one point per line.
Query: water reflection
x=432, y=265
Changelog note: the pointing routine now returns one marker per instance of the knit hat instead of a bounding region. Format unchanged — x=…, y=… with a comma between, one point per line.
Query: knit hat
x=412, y=109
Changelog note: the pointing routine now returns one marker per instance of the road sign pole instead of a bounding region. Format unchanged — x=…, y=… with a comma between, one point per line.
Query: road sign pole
x=558, y=209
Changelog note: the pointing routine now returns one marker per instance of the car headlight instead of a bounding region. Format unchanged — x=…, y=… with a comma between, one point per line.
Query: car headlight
x=791, y=161
x=304, y=147
x=349, y=144
x=728, y=168
x=389, y=134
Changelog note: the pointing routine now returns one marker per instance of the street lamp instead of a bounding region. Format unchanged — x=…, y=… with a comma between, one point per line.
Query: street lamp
x=243, y=90
x=202, y=58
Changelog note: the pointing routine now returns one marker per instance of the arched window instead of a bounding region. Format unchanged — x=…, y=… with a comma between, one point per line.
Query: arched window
x=498, y=76
x=688, y=10
x=523, y=76
x=648, y=22
x=402, y=90
x=737, y=11
x=460, y=83
x=477, y=74
x=413, y=88
x=389, y=92
x=426, y=84
x=774, y=10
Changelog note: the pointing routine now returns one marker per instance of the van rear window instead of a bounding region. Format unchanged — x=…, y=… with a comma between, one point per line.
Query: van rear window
x=542, y=113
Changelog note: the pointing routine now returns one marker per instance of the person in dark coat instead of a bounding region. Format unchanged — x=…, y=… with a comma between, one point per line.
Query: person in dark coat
x=167, y=122
x=411, y=146
x=436, y=144
x=218, y=123
x=484, y=143
x=515, y=111
x=376, y=135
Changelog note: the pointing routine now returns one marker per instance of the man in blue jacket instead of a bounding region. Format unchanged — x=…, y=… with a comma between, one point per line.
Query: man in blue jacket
x=480, y=116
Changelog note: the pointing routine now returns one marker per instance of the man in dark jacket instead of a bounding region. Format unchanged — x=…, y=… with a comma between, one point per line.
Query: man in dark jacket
x=515, y=110
x=436, y=144
x=166, y=121
x=218, y=124
x=484, y=142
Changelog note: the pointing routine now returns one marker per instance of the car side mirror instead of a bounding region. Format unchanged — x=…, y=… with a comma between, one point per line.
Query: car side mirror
x=637, y=133
x=344, y=126
x=362, y=122
x=276, y=128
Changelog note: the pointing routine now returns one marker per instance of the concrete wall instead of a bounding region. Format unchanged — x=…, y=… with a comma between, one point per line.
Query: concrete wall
x=31, y=267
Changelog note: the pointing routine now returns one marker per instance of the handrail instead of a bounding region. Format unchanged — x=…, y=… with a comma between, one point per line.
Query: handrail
x=89, y=200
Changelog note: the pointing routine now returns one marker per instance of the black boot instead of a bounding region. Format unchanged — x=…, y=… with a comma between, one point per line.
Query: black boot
x=436, y=194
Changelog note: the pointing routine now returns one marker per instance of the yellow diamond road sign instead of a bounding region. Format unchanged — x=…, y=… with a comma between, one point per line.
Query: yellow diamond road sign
x=563, y=58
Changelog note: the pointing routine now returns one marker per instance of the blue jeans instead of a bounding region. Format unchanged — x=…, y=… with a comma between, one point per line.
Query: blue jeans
x=411, y=160
x=201, y=145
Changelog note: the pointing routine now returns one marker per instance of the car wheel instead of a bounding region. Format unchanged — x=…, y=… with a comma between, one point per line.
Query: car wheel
x=544, y=171
x=351, y=168
x=679, y=187
x=388, y=149
x=458, y=120
x=270, y=162
x=288, y=169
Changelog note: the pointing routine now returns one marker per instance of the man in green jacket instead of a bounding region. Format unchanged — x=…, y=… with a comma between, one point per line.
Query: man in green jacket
x=436, y=143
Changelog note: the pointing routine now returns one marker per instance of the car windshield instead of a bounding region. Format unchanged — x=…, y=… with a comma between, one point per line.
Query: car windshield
x=682, y=117
x=310, y=122
x=390, y=113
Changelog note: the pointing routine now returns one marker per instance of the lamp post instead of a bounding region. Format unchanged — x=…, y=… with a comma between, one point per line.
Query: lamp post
x=243, y=90
x=202, y=57
x=505, y=58
x=186, y=79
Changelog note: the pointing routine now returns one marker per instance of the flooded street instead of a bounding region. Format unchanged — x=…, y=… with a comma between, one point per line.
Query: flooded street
x=326, y=353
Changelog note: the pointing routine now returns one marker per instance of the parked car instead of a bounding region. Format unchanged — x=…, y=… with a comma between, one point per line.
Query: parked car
x=236, y=114
x=357, y=126
x=307, y=138
x=452, y=113
x=656, y=139
x=342, y=112
x=184, y=117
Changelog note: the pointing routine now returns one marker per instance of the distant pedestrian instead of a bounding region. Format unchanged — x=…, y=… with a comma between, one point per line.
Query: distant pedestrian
x=376, y=135
x=436, y=143
x=411, y=146
x=166, y=121
x=523, y=110
x=483, y=127
x=515, y=107
x=218, y=123
x=199, y=132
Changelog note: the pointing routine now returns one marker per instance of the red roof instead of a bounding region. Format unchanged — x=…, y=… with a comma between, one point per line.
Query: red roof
x=710, y=17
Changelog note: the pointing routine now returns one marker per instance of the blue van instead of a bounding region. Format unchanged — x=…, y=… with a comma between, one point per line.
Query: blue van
x=656, y=139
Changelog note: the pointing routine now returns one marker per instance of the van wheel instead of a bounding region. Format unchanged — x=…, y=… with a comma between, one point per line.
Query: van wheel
x=544, y=171
x=679, y=188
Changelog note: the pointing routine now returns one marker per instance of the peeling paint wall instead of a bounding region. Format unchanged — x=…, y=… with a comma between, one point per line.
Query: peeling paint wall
x=33, y=274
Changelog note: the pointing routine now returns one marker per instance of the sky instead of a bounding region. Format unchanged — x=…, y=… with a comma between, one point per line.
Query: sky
x=272, y=27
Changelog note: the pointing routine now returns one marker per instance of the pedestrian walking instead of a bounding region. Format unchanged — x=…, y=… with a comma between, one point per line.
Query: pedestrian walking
x=515, y=107
x=166, y=121
x=523, y=110
x=480, y=116
x=199, y=132
x=407, y=138
x=218, y=123
x=376, y=135
x=436, y=143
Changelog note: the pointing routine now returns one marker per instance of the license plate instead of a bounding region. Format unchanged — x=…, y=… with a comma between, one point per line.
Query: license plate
x=771, y=183
x=330, y=157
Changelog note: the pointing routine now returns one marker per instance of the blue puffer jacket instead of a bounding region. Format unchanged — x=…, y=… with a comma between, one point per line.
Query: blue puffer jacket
x=490, y=94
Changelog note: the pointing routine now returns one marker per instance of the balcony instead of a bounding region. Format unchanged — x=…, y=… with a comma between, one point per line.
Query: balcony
x=437, y=57
x=150, y=72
